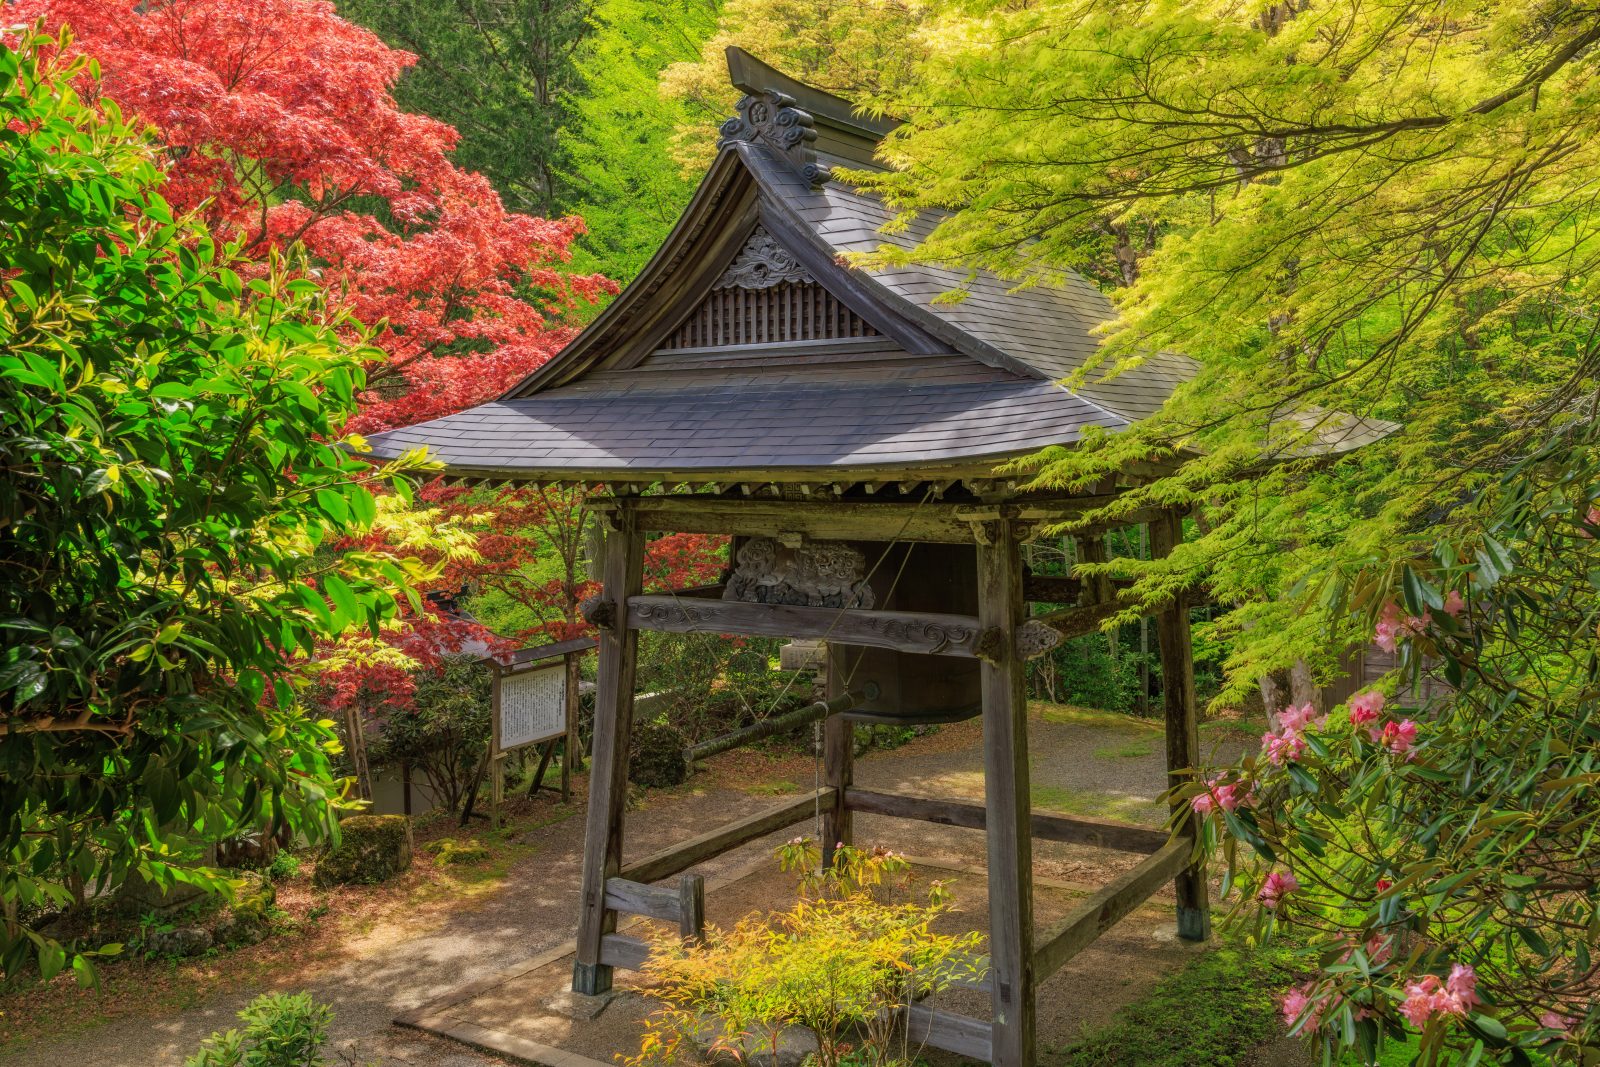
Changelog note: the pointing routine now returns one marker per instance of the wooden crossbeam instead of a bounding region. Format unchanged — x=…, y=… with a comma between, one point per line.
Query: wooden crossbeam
x=1099, y=833
x=947, y=1030
x=636, y=898
x=927, y=632
x=1085, y=923
x=620, y=950
x=681, y=857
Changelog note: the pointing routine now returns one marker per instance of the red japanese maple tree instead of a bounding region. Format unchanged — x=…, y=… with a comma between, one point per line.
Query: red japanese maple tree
x=281, y=128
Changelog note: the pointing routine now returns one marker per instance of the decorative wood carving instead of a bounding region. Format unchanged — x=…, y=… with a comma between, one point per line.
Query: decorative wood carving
x=817, y=574
x=930, y=633
x=1035, y=639
x=762, y=264
x=599, y=611
x=772, y=117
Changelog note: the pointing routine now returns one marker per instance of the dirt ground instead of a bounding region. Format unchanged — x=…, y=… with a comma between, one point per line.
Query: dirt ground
x=1082, y=763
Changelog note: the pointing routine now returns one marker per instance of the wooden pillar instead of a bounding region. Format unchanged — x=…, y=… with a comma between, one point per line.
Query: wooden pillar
x=613, y=726
x=838, y=758
x=1005, y=752
x=571, y=751
x=1183, y=729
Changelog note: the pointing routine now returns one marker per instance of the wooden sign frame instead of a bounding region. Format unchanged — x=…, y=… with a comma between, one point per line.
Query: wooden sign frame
x=560, y=656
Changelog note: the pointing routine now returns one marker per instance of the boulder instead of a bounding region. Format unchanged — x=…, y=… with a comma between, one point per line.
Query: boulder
x=250, y=916
x=179, y=941
x=371, y=849
x=447, y=852
x=139, y=896
x=655, y=759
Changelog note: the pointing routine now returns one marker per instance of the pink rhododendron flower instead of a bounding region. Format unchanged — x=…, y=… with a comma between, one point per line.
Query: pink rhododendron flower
x=1379, y=949
x=1431, y=998
x=1391, y=627
x=1301, y=718
x=1278, y=885
x=1297, y=1004
x=1283, y=747
x=1365, y=707
x=1398, y=736
x=1453, y=604
x=1224, y=795
x=1555, y=1020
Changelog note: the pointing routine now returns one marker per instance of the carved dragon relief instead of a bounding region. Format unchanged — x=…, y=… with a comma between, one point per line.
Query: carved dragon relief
x=761, y=264
x=939, y=636
x=773, y=117
x=821, y=574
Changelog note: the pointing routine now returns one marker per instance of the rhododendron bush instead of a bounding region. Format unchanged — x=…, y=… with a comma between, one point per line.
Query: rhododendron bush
x=1436, y=861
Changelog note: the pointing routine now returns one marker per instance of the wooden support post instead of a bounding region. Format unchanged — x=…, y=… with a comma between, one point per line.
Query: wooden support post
x=1183, y=730
x=497, y=790
x=1005, y=752
x=692, y=902
x=613, y=725
x=838, y=758
x=571, y=750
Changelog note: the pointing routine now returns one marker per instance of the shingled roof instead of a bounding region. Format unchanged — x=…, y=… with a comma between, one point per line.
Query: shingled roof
x=746, y=350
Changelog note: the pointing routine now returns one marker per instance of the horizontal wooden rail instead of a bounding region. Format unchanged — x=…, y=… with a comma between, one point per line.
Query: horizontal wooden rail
x=620, y=950
x=1100, y=833
x=681, y=857
x=1079, y=929
x=636, y=898
x=906, y=631
x=961, y=1034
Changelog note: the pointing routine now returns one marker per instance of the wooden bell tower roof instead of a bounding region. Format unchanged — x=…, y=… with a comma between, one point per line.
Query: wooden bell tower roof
x=746, y=351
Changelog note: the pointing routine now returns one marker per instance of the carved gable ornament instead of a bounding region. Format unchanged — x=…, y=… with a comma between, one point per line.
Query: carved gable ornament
x=772, y=117
x=818, y=574
x=761, y=264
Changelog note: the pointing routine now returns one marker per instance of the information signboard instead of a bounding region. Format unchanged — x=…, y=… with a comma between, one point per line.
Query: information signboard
x=532, y=706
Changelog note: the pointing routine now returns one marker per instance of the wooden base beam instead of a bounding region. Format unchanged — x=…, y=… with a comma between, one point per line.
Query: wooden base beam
x=961, y=1034
x=1085, y=923
x=681, y=857
x=1099, y=833
x=620, y=950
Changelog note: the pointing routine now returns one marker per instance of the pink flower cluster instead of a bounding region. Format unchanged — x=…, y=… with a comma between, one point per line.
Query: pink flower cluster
x=1287, y=742
x=1555, y=1020
x=1278, y=885
x=1430, y=998
x=1365, y=709
x=1392, y=628
x=1298, y=1004
x=1227, y=796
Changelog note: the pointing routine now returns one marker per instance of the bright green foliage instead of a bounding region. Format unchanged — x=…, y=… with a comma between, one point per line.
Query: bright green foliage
x=840, y=962
x=1379, y=209
x=1469, y=843
x=280, y=1030
x=618, y=169
x=169, y=438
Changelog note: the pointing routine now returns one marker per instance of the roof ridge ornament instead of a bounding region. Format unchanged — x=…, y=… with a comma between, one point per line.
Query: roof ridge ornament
x=761, y=264
x=772, y=117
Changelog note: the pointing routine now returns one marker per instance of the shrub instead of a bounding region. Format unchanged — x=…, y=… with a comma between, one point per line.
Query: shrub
x=280, y=1030
x=170, y=437
x=371, y=848
x=444, y=730
x=655, y=757
x=839, y=962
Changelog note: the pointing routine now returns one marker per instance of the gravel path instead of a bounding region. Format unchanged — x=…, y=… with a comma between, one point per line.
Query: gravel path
x=1105, y=768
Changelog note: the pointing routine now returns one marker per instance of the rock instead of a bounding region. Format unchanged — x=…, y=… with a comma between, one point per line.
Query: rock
x=250, y=917
x=803, y=655
x=137, y=896
x=371, y=849
x=580, y=1006
x=247, y=851
x=180, y=941
x=447, y=852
